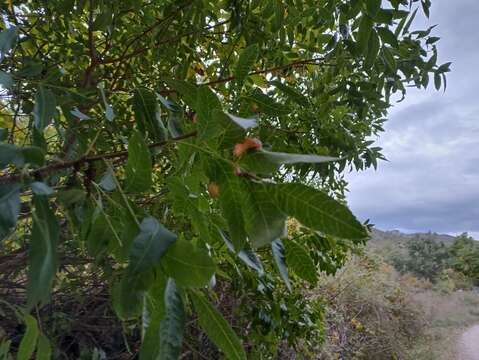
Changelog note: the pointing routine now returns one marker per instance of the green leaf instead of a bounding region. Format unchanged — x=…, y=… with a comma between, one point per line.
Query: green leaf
x=217, y=328
x=292, y=93
x=206, y=103
x=42, y=256
x=268, y=162
x=189, y=265
x=389, y=59
x=172, y=325
x=40, y=188
x=188, y=91
x=437, y=80
x=373, y=49
x=245, y=62
x=99, y=235
x=317, y=210
x=45, y=108
x=145, y=106
x=373, y=7
x=364, y=33
x=5, y=80
x=149, y=246
x=10, y=154
x=9, y=208
x=8, y=38
x=264, y=221
x=279, y=255
x=138, y=167
x=109, y=113
x=175, y=113
x=387, y=36
x=128, y=296
x=232, y=199
x=29, y=340
x=153, y=313
x=247, y=255
x=266, y=104
x=44, y=348
x=300, y=261
x=409, y=22
x=242, y=122
x=3, y=134
x=108, y=182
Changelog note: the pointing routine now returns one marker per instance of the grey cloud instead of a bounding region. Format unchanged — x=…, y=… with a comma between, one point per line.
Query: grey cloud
x=432, y=142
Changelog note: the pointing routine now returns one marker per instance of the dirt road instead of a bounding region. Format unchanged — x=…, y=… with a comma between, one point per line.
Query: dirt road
x=469, y=344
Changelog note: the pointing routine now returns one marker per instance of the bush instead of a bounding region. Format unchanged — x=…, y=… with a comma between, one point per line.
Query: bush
x=369, y=312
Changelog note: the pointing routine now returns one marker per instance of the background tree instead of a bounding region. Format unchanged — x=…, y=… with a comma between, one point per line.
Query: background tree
x=158, y=145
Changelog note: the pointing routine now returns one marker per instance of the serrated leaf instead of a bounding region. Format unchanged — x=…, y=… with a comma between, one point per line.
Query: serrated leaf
x=188, y=91
x=247, y=255
x=206, y=104
x=279, y=254
x=300, y=261
x=245, y=62
x=9, y=208
x=145, y=107
x=29, y=340
x=40, y=188
x=139, y=166
x=217, y=328
x=172, y=325
x=317, y=210
x=42, y=256
x=232, y=199
x=189, y=265
x=149, y=246
x=292, y=93
x=45, y=107
x=264, y=221
x=266, y=104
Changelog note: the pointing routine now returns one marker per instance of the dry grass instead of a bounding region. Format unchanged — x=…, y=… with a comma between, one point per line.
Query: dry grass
x=449, y=315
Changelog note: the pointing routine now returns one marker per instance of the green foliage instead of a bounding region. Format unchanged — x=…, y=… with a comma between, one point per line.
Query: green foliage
x=217, y=328
x=465, y=257
x=213, y=123
x=426, y=258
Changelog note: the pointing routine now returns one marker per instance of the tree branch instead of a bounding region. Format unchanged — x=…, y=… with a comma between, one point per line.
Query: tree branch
x=52, y=168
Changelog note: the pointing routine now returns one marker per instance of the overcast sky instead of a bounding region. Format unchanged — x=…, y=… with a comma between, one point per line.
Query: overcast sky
x=431, y=181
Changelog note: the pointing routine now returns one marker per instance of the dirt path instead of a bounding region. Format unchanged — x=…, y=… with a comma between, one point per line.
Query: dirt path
x=468, y=347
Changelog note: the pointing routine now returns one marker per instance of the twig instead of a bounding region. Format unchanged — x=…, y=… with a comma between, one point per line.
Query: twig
x=52, y=168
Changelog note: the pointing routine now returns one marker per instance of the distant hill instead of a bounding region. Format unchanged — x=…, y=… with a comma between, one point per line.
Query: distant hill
x=393, y=242
x=396, y=235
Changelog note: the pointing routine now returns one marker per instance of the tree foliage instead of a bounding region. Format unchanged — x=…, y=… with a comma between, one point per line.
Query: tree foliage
x=161, y=140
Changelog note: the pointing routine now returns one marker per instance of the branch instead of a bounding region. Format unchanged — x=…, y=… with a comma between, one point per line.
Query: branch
x=52, y=168
x=295, y=64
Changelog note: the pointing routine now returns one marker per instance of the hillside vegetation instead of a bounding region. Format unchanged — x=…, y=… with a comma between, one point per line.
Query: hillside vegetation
x=379, y=308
